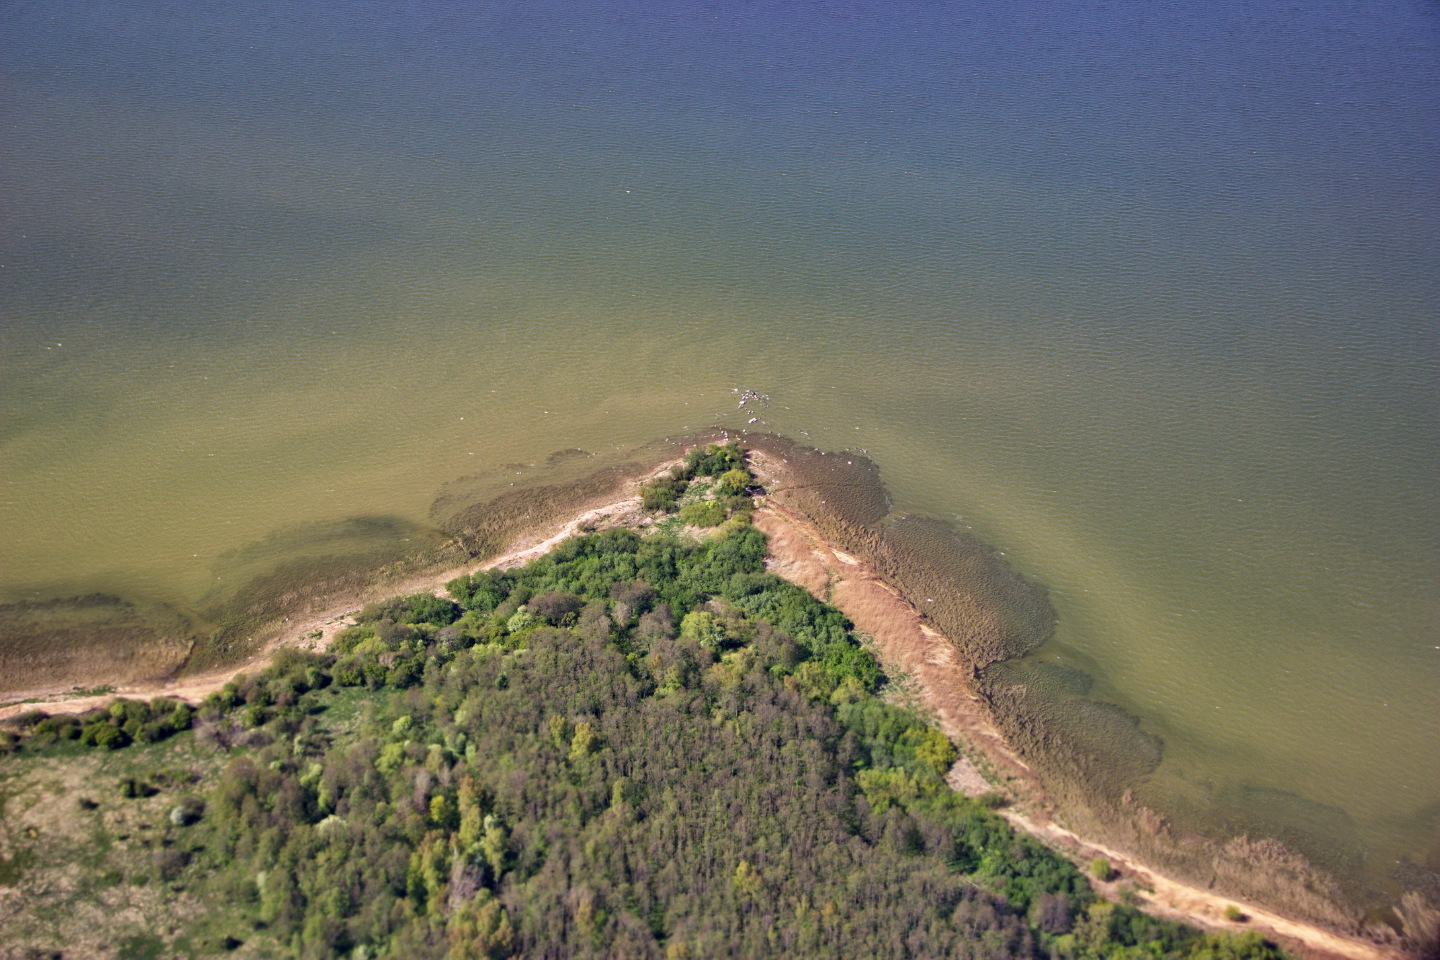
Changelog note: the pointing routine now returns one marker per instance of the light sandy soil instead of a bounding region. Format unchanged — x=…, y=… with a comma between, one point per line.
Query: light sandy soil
x=900, y=638
x=316, y=632
x=906, y=644
x=1170, y=898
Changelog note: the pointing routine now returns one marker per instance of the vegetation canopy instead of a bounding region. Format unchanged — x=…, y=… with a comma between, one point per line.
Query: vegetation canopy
x=640, y=746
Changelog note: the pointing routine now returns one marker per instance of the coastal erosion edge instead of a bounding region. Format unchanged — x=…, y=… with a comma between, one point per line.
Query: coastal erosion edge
x=808, y=547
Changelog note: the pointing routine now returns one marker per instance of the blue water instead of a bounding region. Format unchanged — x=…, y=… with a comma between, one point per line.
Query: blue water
x=1144, y=294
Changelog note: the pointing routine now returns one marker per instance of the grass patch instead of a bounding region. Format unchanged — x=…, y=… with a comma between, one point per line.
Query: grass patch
x=343, y=707
x=74, y=693
x=141, y=947
x=14, y=867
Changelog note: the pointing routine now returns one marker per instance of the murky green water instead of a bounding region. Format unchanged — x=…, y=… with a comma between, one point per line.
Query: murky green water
x=1157, y=323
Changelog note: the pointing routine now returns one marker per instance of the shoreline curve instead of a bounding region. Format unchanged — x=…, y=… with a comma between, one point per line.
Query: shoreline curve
x=901, y=638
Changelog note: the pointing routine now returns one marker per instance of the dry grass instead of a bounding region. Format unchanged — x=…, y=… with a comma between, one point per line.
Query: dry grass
x=85, y=881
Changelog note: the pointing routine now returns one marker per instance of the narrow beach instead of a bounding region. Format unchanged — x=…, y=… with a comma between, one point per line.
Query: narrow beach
x=902, y=640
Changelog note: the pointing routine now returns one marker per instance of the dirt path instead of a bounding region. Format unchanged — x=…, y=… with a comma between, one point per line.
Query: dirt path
x=905, y=643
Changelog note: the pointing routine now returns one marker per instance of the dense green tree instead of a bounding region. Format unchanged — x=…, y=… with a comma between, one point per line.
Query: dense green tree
x=632, y=746
x=703, y=513
x=734, y=482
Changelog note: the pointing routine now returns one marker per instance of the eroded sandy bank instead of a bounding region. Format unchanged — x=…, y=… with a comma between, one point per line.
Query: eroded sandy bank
x=907, y=643
x=315, y=632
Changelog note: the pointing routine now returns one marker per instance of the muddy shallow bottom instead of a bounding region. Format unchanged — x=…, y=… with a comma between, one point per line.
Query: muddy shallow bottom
x=1097, y=762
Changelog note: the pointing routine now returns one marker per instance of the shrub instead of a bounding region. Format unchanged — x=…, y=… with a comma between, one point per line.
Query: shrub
x=1234, y=914
x=521, y=619
x=1101, y=870
x=187, y=811
x=253, y=716
x=734, y=482
x=1051, y=913
x=170, y=863
x=60, y=727
x=104, y=735
x=739, y=506
x=1244, y=946
x=701, y=627
x=482, y=591
x=661, y=493
x=349, y=673
x=427, y=608
x=152, y=732
x=127, y=712
x=556, y=609
x=131, y=788
x=182, y=716
x=702, y=513
x=714, y=460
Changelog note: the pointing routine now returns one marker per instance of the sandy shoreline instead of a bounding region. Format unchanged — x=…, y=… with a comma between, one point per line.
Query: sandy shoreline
x=906, y=644
x=901, y=639
x=315, y=632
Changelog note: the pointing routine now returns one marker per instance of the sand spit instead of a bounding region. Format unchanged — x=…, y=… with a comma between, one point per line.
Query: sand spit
x=901, y=639
x=901, y=635
x=907, y=645
x=902, y=632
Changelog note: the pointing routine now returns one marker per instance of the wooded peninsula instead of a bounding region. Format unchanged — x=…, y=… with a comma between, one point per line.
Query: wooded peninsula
x=640, y=744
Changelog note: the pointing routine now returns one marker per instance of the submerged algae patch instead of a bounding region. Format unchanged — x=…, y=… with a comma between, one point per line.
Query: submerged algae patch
x=487, y=511
x=471, y=518
x=357, y=535
x=301, y=570
x=837, y=491
x=1325, y=834
x=1095, y=758
x=1046, y=712
x=89, y=639
x=967, y=589
x=955, y=580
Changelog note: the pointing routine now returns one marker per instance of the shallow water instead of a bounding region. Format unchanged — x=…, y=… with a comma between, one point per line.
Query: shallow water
x=1143, y=297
